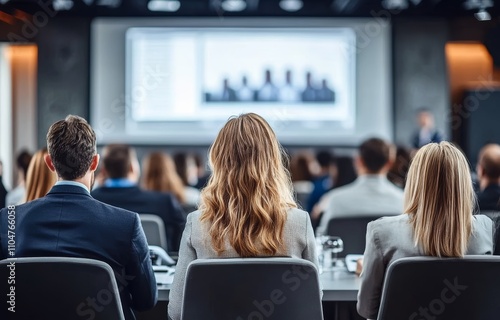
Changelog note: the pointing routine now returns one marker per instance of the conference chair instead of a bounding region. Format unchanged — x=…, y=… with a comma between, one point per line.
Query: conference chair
x=495, y=216
x=352, y=231
x=441, y=288
x=58, y=288
x=252, y=288
x=154, y=229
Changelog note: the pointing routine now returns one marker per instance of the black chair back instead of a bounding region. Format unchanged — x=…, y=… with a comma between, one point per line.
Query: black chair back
x=252, y=288
x=59, y=288
x=444, y=289
x=352, y=231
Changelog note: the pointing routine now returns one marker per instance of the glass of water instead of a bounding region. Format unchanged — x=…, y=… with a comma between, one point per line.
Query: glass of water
x=332, y=246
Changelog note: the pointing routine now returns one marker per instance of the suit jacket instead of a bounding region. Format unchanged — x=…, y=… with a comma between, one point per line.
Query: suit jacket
x=391, y=238
x=196, y=244
x=435, y=137
x=161, y=204
x=489, y=198
x=68, y=222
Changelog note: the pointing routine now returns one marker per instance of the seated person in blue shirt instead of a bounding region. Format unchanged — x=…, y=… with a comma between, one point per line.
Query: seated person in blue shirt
x=121, y=190
x=68, y=222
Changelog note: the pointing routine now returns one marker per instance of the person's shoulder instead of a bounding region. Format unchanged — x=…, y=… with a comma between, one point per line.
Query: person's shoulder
x=112, y=211
x=389, y=222
x=341, y=192
x=482, y=222
x=296, y=217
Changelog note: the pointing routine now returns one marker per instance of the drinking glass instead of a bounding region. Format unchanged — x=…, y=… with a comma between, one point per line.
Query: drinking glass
x=332, y=246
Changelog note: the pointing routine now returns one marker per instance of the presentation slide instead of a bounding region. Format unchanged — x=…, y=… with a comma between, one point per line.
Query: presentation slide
x=318, y=82
x=211, y=74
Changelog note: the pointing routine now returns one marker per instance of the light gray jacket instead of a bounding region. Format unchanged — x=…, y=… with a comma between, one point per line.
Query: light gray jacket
x=196, y=244
x=391, y=238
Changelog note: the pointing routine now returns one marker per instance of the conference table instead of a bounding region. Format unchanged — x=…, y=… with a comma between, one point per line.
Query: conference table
x=338, y=286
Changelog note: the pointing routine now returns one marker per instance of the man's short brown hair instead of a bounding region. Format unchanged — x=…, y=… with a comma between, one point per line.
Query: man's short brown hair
x=117, y=159
x=375, y=154
x=489, y=161
x=71, y=144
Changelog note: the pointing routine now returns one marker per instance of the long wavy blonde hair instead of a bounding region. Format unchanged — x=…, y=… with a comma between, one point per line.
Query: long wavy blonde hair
x=249, y=191
x=440, y=199
x=39, y=178
x=159, y=174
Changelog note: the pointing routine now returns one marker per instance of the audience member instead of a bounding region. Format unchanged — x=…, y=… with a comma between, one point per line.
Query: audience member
x=399, y=169
x=68, y=222
x=201, y=172
x=300, y=171
x=121, y=190
x=247, y=208
x=488, y=173
x=39, y=179
x=325, y=178
x=426, y=133
x=3, y=191
x=17, y=195
x=186, y=169
x=371, y=193
x=159, y=174
x=344, y=174
x=439, y=201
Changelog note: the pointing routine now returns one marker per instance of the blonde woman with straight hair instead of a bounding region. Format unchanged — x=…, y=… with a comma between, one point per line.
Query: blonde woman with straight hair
x=247, y=208
x=39, y=178
x=159, y=174
x=439, y=221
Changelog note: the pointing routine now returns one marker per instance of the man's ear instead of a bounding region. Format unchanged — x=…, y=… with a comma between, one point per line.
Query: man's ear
x=479, y=171
x=48, y=162
x=95, y=162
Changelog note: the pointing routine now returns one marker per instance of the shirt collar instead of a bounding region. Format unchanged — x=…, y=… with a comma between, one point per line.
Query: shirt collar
x=118, y=183
x=72, y=183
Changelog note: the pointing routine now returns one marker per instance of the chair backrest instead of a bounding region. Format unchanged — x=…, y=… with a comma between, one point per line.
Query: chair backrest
x=252, y=288
x=442, y=288
x=154, y=229
x=352, y=231
x=59, y=288
x=495, y=216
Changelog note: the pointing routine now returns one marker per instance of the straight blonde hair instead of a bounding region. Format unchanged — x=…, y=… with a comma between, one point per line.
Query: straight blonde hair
x=159, y=174
x=249, y=191
x=39, y=178
x=440, y=199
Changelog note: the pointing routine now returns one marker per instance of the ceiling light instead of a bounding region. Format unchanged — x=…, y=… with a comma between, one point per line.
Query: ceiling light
x=164, y=5
x=482, y=15
x=60, y=5
x=395, y=4
x=233, y=5
x=291, y=5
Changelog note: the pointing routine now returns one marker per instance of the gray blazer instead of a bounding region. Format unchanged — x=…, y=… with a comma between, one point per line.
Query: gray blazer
x=196, y=244
x=391, y=238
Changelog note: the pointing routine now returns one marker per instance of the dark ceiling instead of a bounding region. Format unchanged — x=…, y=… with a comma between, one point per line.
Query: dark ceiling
x=311, y=8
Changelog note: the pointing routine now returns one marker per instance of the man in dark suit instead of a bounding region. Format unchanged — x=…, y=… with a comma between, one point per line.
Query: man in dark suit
x=426, y=133
x=3, y=191
x=120, y=189
x=68, y=222
x=488, y=173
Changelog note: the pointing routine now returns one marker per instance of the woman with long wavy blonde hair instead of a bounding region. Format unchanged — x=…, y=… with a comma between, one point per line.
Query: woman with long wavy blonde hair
x=159, y=174
x=39, y=178
x=439, y=221
x=247, y=208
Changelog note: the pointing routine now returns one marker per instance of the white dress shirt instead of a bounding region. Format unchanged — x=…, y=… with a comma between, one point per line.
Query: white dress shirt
x=367, y=195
